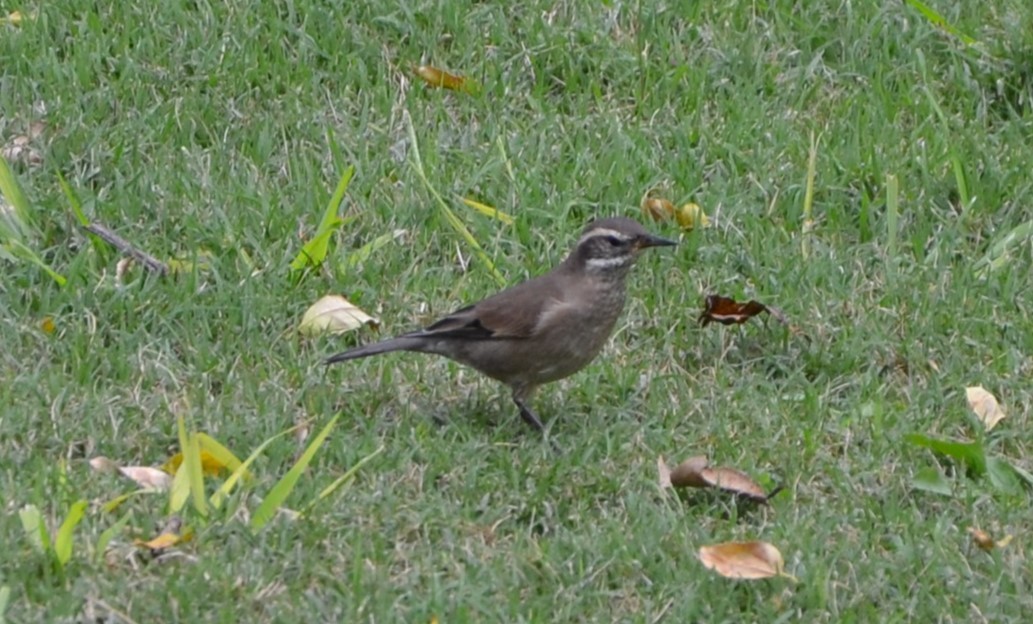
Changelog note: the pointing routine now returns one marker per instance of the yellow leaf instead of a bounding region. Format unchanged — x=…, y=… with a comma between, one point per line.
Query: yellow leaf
x=166, y=539
x=210, y=464
x=47, y=325
x=335, y=315
x=691, y=216
x=15, y=18
x=743, y=560
x=656, y=208
x=985, y=405
x=487, y=210
x=440, y=78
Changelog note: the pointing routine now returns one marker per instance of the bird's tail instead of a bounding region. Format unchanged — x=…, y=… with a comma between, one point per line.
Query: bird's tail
x=401, y=343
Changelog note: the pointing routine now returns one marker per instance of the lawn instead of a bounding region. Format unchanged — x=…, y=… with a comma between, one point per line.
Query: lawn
x=212, y=135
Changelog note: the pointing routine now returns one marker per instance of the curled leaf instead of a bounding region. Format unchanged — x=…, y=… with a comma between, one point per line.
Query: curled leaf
x=210, y=464
x=171, y=534
x=985, y=406
x=743, y=560
x=657, y=208
x=689, y=473
x=334, y=314
x=983, y=540
x=736, y=482
x=440, y=78
x=665, y=472
x=146, y=477
x=727, y=311
x=691, y=216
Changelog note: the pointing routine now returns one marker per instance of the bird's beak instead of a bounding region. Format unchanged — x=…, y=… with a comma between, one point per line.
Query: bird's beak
x=654, y=241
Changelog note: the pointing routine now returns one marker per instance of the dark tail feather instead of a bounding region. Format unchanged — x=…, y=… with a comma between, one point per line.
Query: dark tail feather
x=401, y=343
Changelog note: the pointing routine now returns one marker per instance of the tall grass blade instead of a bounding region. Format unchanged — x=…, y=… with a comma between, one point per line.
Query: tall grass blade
x=284, y=486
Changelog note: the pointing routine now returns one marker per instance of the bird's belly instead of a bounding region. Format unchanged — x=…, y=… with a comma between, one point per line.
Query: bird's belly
x=556, y=355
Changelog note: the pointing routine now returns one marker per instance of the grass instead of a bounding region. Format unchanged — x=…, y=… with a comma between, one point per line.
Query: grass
x=221, y=129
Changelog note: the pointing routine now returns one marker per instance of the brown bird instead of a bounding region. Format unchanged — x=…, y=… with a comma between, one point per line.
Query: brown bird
x=541, y=330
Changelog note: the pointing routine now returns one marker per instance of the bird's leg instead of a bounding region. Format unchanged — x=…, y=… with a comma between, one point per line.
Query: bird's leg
x=520, y=396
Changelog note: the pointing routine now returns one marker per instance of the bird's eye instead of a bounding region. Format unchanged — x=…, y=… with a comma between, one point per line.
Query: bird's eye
x=614, y=241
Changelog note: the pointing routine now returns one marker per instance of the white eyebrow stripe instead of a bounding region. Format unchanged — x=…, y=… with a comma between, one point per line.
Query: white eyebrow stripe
x=604, y=232
x=605, y=263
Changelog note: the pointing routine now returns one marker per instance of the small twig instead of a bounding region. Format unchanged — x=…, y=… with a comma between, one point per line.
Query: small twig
x=127, y=248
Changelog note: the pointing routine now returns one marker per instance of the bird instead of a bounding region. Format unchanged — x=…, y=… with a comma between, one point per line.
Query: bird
x=541, y=330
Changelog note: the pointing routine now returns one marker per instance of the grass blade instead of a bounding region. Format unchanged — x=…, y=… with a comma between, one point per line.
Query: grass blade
x=222, y=454
x=64, y=539
x=227, y=486
x=15, y=224
x=284, y=486
x=34, y=527
x=315, y=250
x=808, y=197
x=189, y=479
x=108, y=535
x=345, y=478
x=938, y=20
x=892, y=221
x=488, y=211
x=450, y=216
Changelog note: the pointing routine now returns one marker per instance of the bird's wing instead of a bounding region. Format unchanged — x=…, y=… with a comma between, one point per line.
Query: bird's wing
x=512, y=313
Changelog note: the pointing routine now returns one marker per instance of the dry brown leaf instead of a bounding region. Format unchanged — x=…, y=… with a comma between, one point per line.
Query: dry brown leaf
x=743, y=560
x=657, y=208
x=689, y=473
x=144, y=476
x=335, y=315
x=665, y=472
x=985, y=405
x=147, y=477
x=19, y=149
x=734, y=481
x=103, y=464
x=983, y=540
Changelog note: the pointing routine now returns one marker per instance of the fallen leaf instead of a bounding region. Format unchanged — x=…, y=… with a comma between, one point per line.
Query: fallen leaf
x=985, y=405
x=210, y=464
x=19, y=149
x=170, y=535
x=103, y=464
x=440, y=78
x=665, y=472
x=689, y=473
x=335, y=315
x=47, y=325
x=729, y=312
x=15, y=18
x=657, y=208
x=146, y=477
x=983, y=540
x=488, y=211
x=743, y=560
x=691, y=216
x=736, y=482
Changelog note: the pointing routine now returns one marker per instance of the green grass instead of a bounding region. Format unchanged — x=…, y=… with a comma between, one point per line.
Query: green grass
x=222, y=129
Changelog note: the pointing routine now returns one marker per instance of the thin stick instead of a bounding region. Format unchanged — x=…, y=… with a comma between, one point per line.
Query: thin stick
x=127, y=248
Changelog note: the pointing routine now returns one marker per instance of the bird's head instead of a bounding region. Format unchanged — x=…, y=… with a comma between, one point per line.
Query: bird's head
x=611, y=246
